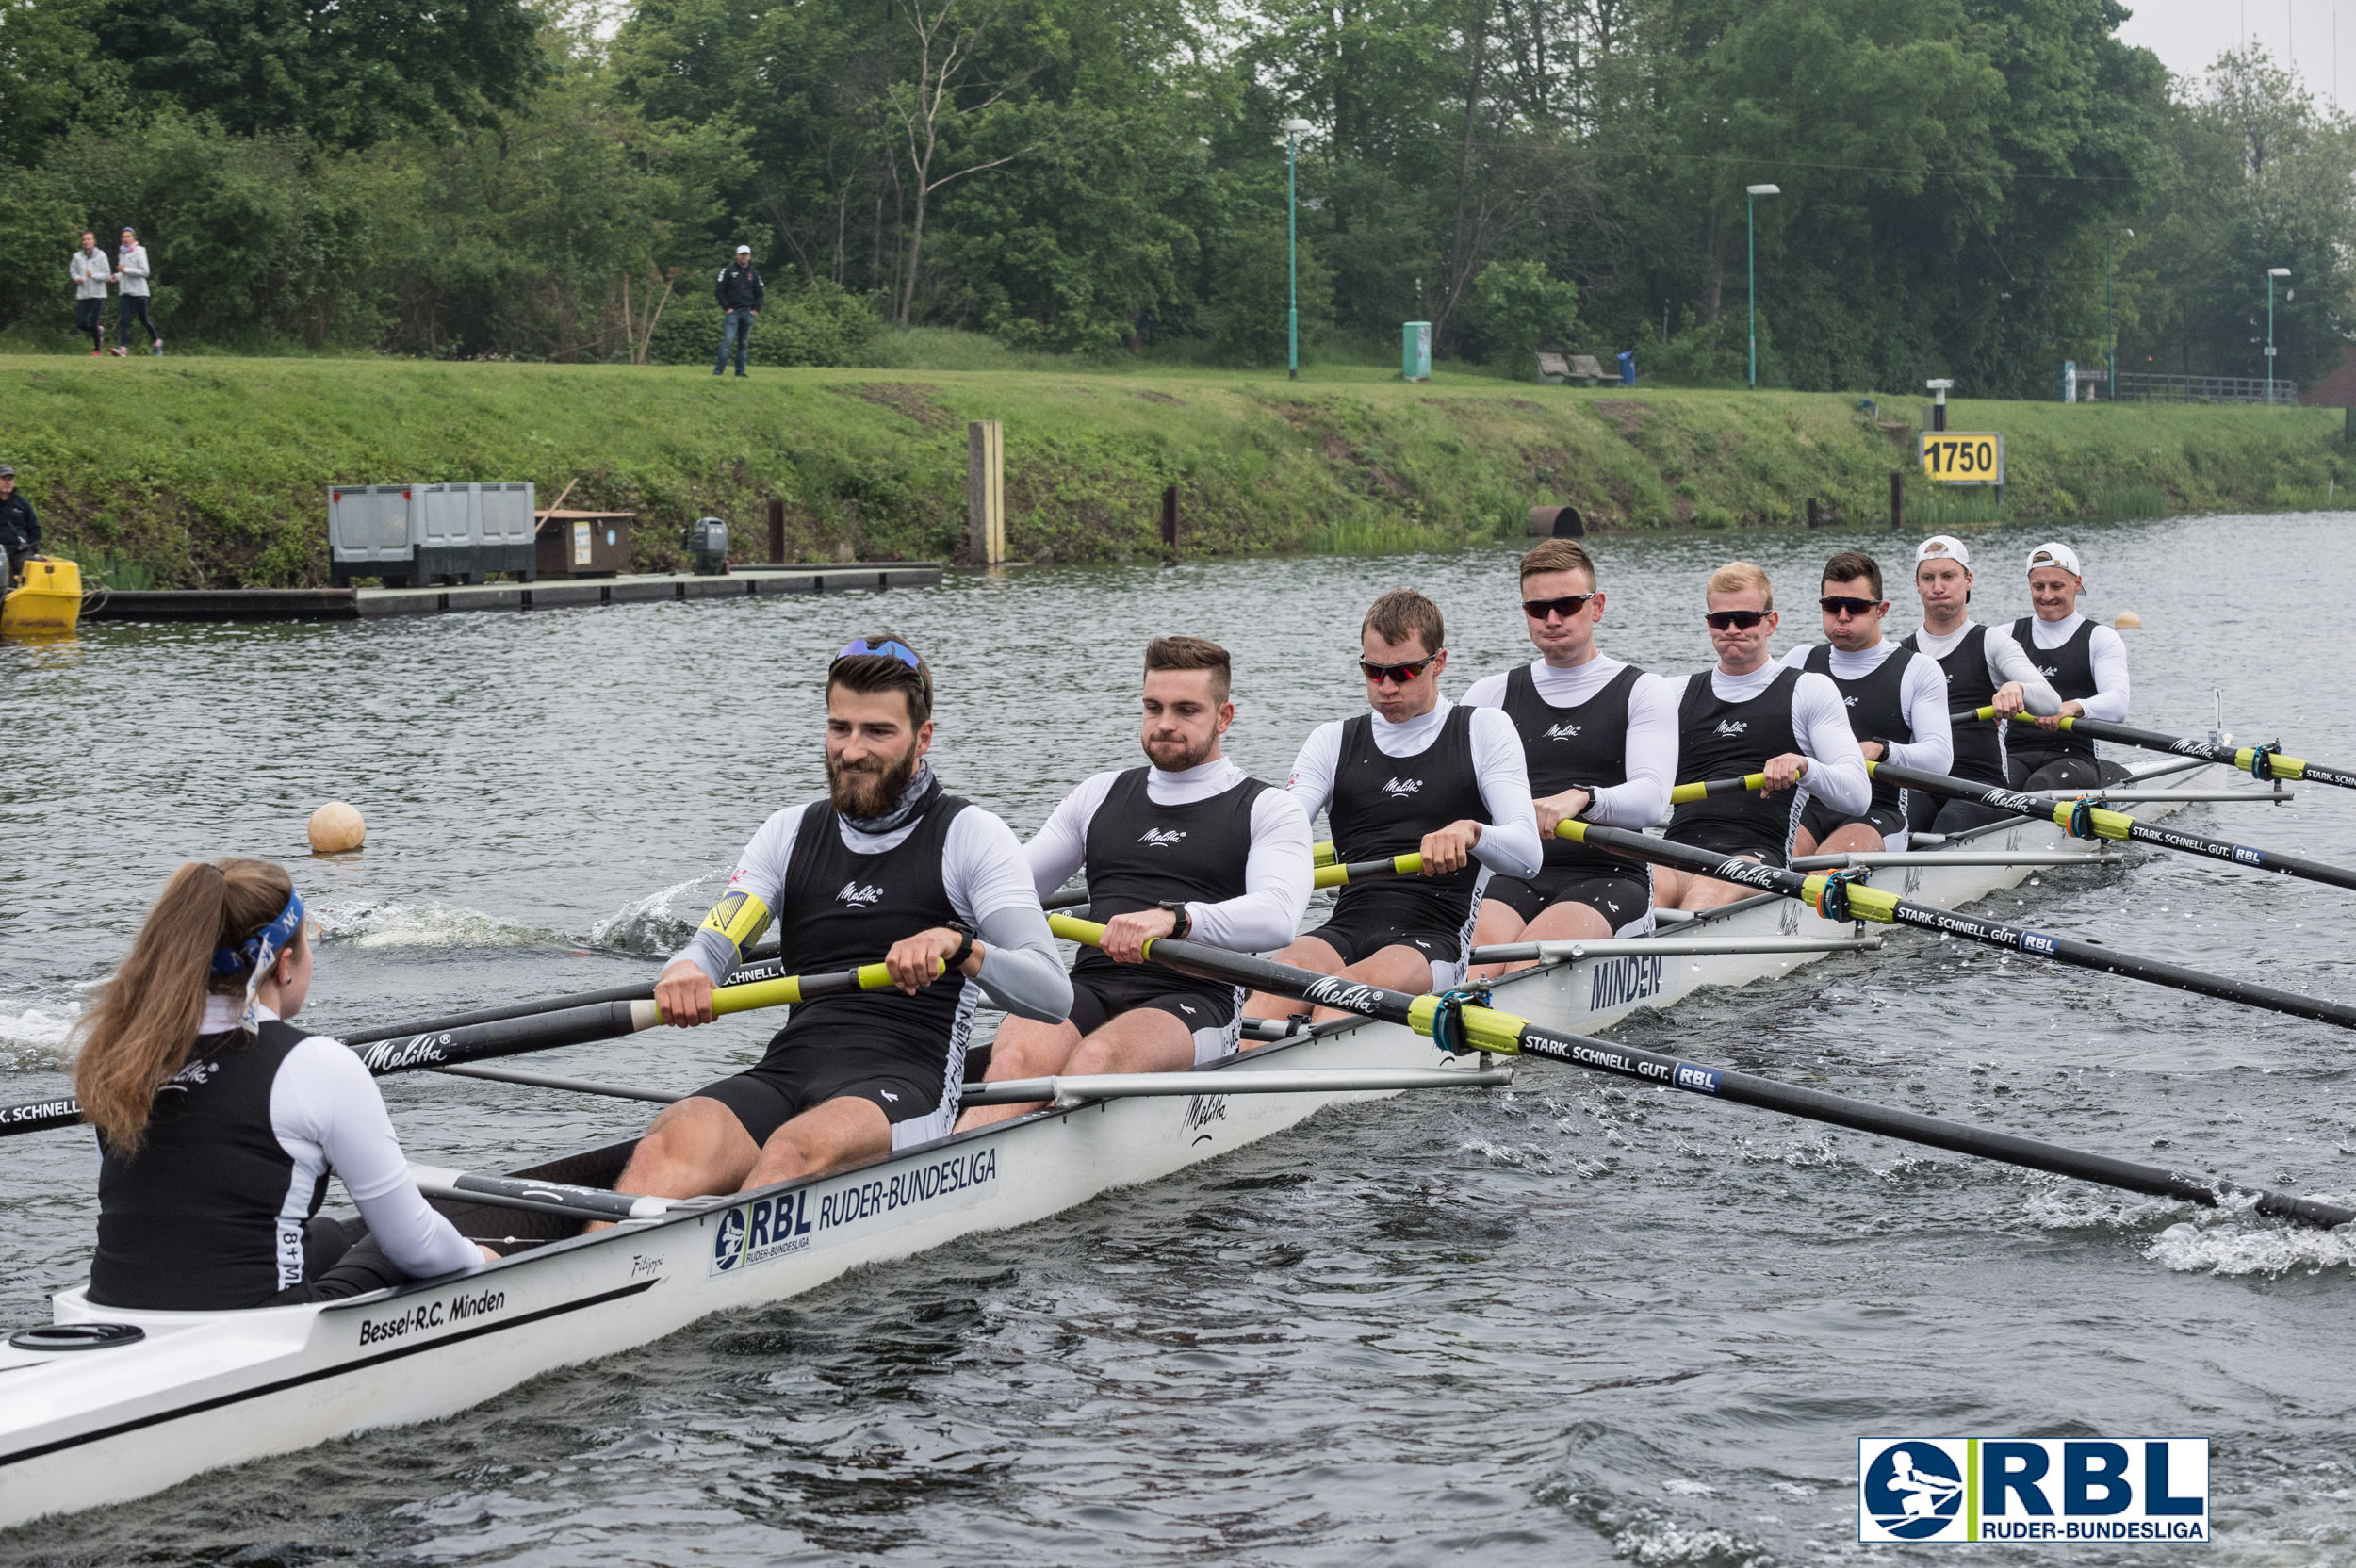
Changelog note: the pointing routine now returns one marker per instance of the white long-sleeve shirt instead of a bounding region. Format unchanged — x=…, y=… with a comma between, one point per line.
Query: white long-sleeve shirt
x=132, y=270
x=90, y=271
x=1509, y=839
x=1820, y=721
x=1922, y=692
x=1652, y=733
x=2108, y=654
x=1277, y=872
x=2005, y=661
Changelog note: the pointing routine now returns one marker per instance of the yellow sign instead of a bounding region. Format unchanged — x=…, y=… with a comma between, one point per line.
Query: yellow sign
x=1963, y=457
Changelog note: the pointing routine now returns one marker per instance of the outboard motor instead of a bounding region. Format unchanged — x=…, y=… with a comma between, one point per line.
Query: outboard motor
x=708, y=546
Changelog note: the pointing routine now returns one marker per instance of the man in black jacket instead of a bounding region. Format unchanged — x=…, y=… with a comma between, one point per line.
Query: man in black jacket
x=20, y=531
x=739, y=291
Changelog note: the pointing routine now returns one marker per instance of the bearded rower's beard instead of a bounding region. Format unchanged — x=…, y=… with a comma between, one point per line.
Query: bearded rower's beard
x=871, y=788
x=1177, y=756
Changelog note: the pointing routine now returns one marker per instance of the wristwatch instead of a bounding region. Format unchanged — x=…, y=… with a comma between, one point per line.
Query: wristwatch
x=1178, y=912
x=965, y=949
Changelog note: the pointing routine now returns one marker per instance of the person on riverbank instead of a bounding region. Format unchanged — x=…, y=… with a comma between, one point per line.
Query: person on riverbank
x=1600, y=741
x=132, y=275
x=2086, y=666
x=1983, y=668
x=90, y=269
x=1752, y=716
x=218, y=1122
x=740, y=292
x=1417, y=774
x=1189, y=846
x=887, y=862
x=20, y=531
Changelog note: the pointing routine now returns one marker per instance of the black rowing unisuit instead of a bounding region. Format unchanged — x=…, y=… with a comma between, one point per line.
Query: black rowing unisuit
x=1717, y=739
x=1141, y=852
x=2069, y=670
x=1876, y=703
x=1979, y=748
x=1381, y=807
x=1583, y=747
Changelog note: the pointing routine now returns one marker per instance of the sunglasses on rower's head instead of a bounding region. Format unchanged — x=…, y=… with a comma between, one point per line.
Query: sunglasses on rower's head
x=1726, y=620
x=1566, y=607
x=1840, y=604
x=889, y=647
x=1401, y=673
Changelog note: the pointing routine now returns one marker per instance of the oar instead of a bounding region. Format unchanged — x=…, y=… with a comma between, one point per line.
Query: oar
x=511, y=1037
x=2261, y=762
x=1330, y=876
x=2085, y=820
x=1480, y=1028
x=1838, y=896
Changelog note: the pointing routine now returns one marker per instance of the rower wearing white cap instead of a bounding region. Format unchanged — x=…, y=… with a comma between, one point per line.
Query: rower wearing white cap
x=1984, y=668
x=2086, y=666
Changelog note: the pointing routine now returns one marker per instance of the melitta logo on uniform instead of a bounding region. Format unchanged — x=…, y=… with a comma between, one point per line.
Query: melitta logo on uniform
x=1733, y=726
x=1560, y=732
x=2061, y=1488
x=853, y=893
x=1406, y=787
x=1162, y=838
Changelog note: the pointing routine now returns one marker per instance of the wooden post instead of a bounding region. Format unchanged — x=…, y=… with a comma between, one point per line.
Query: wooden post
x=777, y=529
x=1170, y=521
x=1813, y=520
x=986, y=490
x=1897, y=499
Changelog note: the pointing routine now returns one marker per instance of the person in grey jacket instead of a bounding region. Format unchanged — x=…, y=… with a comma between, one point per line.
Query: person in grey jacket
x=740, y=291
x=132, y=273
x=89, y=270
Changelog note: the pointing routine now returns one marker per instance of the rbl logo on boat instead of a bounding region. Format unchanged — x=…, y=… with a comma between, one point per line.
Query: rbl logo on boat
x=2072, y=1489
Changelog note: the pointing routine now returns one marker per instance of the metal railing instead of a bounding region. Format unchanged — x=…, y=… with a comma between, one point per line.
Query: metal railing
x=2141, y=387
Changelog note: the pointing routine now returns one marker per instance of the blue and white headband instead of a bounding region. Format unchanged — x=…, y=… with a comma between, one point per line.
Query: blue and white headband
x=260, y=950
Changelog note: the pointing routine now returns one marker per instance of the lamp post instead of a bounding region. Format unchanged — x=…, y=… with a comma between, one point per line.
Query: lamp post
x=1293, y=129
x=1750, y=243
x=2110, y=309
x=2272, y=274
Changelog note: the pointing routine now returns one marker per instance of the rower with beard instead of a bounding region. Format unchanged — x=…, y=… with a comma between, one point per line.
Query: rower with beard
x=1896, y=701
x=1600, y=738
x=1417, y=774
x=1984, y=668
x=1751, y=715
x=886, y=863
x=2087, y=665
x=1190, y=847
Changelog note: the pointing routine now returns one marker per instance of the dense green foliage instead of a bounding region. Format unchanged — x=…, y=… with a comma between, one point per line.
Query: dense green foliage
x=1099, y=178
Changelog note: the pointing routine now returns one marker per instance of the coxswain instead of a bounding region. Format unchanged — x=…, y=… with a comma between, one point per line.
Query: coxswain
x=20, y=531
x=1600, y=741
x=218, y=1122
x=887, y=864
x=1897, y=700
x=1419, y=774
x=1752, y=716
x=2086, y=666
x=1984, y=668
x=1189, y=846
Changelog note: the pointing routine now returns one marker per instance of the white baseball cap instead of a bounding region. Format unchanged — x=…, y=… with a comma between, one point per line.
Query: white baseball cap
x=1943, y=546
x=2056, y=553
x=743, y=249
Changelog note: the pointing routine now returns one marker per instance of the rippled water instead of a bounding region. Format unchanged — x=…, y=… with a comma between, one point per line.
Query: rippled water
x=1571, y=1324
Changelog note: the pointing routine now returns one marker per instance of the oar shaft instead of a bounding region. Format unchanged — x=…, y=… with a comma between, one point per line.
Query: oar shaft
x=2112, y=824
x=766, y=967
x=1703, y=789
x=1366, y=870
x=1873, y=903
x=2244, y=757
x=1491, y=1030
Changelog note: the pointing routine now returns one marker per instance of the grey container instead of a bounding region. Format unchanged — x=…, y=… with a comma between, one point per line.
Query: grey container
x=373, y=532
x=470, y=531
x=509, y=529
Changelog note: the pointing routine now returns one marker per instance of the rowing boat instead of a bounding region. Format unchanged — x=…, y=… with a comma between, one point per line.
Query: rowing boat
x=106, y=1404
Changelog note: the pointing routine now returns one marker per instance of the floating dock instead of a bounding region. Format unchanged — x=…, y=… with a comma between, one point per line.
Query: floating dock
x=357, y=604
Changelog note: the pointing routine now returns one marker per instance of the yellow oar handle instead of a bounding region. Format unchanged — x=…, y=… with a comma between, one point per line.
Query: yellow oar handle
x=787, y=991
x=1340, y=877
x=1702, y=788
x=1322, y=855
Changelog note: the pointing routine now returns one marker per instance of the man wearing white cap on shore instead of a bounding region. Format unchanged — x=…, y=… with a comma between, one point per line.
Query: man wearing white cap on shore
x=740, y=291
x=1984, y=668
x=2084, y=664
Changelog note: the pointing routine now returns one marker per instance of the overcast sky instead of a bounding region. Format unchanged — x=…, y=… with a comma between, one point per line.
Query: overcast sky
x=2187, y=35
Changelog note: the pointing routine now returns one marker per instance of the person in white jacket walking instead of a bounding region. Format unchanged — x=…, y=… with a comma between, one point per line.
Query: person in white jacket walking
x=89, y=270
x=132, y=273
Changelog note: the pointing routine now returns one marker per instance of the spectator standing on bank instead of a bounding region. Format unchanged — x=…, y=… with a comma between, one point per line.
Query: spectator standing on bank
x=20, y=531
x=131, y=277
x=89, y=270
x=740, y=292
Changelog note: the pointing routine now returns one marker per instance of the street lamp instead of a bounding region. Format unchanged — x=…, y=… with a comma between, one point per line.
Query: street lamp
x=2110, y=308
x=1750, y=243
x=2272, y=274
x=1294, y=130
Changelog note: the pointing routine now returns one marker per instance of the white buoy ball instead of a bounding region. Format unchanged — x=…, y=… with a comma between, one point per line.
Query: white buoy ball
x=2127, y=620
x=336, y=828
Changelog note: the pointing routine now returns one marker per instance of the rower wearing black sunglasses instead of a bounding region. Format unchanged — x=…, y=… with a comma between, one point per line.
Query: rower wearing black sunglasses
x=1419, y=774
x=1897, y=705
x=1600, y=738
x=1751, y=715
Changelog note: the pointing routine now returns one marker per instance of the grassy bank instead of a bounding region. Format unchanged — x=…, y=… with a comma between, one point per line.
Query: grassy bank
x=213, y=472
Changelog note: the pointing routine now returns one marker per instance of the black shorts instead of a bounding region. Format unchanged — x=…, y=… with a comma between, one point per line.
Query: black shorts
x=2048, y=770
x=1729, y=838
x=1823, y=820
x=1360, y=931
x=1621, y=897
x=787, y=1082
x=1101, y=992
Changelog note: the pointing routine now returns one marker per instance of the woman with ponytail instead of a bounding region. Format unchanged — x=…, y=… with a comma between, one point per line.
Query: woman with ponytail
x=218, y=1122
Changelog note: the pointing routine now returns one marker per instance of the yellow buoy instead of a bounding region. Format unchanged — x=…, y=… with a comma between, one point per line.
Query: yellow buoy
x=336, y=828
x=2127, y=620
x=48, y=602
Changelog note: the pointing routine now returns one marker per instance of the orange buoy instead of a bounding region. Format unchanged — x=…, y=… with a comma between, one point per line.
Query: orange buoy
x=336, y=828
x=2127, y=620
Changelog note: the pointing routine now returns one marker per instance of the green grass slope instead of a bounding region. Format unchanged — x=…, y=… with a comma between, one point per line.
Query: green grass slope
x=214, y=472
